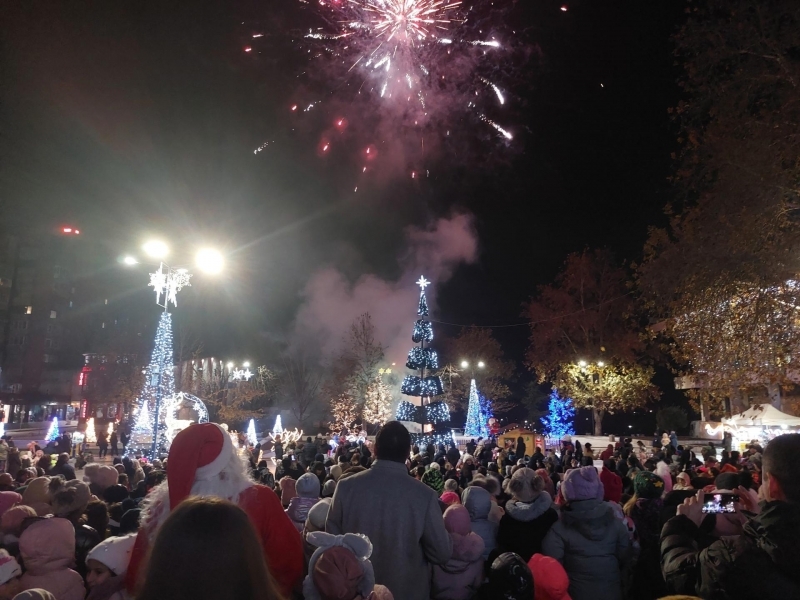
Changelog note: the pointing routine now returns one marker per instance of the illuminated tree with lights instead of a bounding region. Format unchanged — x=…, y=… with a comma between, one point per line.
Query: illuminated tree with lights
x=433, y=416
x=252, y=438
x=476, y=423
x=344, y=413
x=378, y=403
x=560, y=417
x=53, y=433
x=158, y=384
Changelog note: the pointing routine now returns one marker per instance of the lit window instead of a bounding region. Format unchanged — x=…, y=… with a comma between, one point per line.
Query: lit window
x=106, y=300
x=52, y=314
x=28, y=310
x=103, y=326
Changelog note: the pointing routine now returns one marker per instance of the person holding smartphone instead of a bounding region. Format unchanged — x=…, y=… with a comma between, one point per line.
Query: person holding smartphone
x=753, y=552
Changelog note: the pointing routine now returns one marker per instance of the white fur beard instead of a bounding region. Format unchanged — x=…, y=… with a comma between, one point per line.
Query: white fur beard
x=228, y=484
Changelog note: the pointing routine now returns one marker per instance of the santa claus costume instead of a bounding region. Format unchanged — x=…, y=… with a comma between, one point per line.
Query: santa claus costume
x=203, y=462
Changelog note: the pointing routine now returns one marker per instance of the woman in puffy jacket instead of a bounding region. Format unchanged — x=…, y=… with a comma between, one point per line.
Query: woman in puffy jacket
x=589, y=540
x=47, y=548
x=528, y=515
x=461, y=576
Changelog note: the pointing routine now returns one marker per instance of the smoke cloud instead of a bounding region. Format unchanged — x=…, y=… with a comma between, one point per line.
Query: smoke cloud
x=331, y=301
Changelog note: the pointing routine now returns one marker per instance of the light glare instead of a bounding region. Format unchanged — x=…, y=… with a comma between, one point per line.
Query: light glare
x=209, y=260
x=156, y=249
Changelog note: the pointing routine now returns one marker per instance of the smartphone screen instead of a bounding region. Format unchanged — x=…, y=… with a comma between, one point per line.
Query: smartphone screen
x=720, y=502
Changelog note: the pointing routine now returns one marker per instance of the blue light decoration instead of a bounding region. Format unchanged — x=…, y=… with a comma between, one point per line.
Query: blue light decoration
x=422, y=357
x=477, y=421
x=159, y=384
x=406, y=411
x=53, y=433
x=425, y=387
x=560, y=417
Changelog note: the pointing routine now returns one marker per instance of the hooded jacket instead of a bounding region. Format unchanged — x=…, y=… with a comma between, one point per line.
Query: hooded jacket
x=47, y=548
x=462, y=575
x=525, y=524
x=761, y=563
x=593, y=545
x=298, y=510
x=478, y=503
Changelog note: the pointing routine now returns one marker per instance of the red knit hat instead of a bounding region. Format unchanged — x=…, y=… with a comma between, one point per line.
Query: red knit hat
x=198, y=452
x=550, y=580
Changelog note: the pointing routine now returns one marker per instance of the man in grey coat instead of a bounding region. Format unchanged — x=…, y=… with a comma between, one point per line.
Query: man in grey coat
x=400, y=515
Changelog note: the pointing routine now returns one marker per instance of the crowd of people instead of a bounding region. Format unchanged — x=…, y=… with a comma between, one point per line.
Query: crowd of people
x=391, y=520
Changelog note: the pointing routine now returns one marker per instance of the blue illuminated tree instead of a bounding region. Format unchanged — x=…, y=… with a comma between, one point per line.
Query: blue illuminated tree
x=476, y=424
x=159, y=384
x=434, y=416
x=53, y=433
x=560, y=417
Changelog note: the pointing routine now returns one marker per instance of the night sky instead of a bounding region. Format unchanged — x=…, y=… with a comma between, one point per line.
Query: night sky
x=134, y=118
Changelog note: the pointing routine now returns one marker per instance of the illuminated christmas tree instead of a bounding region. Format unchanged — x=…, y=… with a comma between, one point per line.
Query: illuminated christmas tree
x=278, y=429
x=378, y=403
x=158, y=385
x=53, y=434
x=434, y=416
x=560, y=417
x=252, y=438
x=476, y=426
x=91, y=434
x=344, y=413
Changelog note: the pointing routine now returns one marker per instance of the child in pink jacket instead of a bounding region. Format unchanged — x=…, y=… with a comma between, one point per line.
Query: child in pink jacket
x=462, y=575
x=47, y=548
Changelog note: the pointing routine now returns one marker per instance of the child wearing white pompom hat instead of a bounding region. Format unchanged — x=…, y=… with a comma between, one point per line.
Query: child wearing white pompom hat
x=107, y=564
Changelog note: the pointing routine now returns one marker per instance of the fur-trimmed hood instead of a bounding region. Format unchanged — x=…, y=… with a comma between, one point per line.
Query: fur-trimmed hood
x=528, y=511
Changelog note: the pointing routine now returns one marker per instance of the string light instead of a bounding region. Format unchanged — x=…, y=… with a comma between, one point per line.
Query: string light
x=560, y=416
x=419, y=358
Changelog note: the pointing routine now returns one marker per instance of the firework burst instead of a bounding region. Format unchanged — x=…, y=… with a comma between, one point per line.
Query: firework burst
x=420, y=65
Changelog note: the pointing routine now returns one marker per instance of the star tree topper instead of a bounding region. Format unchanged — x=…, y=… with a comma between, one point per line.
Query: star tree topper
x=169, y=283
x=423, y=283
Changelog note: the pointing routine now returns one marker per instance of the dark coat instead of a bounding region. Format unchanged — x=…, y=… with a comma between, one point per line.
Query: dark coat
x=761, y=563
x=453, y=456
x=524, y=525
x=520, y=452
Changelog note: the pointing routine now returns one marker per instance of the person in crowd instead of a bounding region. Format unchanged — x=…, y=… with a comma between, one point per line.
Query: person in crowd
x=3, y=455
x=315, y=522
x=761, y=562
x=509, y=579
x=612, y=483
x=106, y=566
x=683, y=481
x=338, y=468
x=453, y=455
x=478, y=503
x=399, y=514
x=309, y=452
x=521, y=448
x=537, y=459
x=14, y=462
x=589, y=540
x=47, y=548
x=528, y=515
x=207, y=548
x=433, y=478
x=307, y=488
x=69, y=500
x=328, y=488
x=550, y=580
x=608, y=453
x=644, y=509
x=63, y=468
x=340, y=569
x=490, y=485
x=462, y=575
x=202, y=461
x=10, y=572
x=96, y=516
x=11, y=526
x=114, y=441
x=102, y=444
x=288, y=489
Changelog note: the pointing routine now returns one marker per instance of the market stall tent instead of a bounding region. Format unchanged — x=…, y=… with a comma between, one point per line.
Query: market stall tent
x=764, y=415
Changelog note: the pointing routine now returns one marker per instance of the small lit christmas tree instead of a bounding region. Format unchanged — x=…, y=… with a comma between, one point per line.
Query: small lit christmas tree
x=53, y=433
x=476, y=423
x=486, y=411
x=278, y=428
x=344, y=413
x=91, y=435
x=378, y=403
x=252, y=438
x=560, y=417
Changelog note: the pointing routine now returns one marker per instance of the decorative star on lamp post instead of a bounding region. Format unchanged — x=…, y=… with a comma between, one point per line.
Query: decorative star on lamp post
x=423, y=283
x=169, y=283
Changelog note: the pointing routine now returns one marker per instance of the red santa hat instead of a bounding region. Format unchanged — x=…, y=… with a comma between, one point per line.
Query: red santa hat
x=198, y=452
